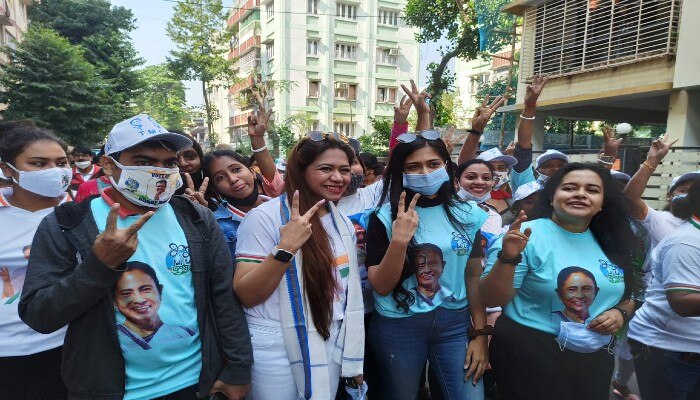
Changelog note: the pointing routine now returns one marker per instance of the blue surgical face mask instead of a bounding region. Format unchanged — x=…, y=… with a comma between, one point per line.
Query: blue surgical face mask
x=426, y=184
x=465, y=195
x=679, y=197
x=542, y=179
x=577, y=337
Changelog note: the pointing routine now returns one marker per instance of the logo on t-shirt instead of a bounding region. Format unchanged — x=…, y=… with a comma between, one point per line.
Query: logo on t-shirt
x=611, y=271
x=178, y=259
x=460, y=243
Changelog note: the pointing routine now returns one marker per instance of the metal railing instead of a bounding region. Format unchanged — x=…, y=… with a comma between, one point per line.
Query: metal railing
x=573, y=36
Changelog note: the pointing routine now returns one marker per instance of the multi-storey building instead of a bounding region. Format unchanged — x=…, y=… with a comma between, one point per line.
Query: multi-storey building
x=13, y=22
x=344, y=59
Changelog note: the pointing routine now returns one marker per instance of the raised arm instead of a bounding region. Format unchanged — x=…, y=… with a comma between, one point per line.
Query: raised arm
x=419, y=100
x=526, y=128
x=257, y=126
x=400, y=125
x=610, y=148
x=481, y=118
x=635, y=187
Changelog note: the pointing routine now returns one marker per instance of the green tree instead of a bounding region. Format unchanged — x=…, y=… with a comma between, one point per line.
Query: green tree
x=498, y=88
x=457, y=22
x=163, y=96
x=377, y=142
x=102, y=30
x=49, y=81
x=198, y=29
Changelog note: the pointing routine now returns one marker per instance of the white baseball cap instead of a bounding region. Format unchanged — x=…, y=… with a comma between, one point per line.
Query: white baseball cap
x=679, y=180
x=139, y=129
x=550, y=154
x=494, y=154
x=526, y=190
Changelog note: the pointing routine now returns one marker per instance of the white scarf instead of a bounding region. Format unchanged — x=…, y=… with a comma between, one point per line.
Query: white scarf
x=306, y=349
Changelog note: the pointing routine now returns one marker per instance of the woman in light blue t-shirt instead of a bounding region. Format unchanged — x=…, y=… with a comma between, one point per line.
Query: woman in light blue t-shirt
x=424, y=263
x=565, y=281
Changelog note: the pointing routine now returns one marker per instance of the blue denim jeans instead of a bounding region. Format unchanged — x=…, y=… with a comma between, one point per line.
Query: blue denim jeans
x=403, y=345
x=664, y=374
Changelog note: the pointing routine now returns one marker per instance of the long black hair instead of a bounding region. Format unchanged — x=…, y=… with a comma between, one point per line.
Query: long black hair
x=392, y=188
x=610, y=227
x=207, y=172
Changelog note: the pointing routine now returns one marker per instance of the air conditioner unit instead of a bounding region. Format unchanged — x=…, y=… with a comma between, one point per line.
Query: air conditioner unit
x=394, y=52
x=341, y=85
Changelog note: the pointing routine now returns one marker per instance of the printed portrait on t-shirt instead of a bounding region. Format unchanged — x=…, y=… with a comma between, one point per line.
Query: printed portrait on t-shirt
x=137, y=296
x=428, y=263
x=577, y=289
x=13, y=280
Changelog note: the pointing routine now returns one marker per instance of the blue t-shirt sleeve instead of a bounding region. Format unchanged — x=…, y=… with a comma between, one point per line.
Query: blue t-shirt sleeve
x=492, y=256
x=518, y=179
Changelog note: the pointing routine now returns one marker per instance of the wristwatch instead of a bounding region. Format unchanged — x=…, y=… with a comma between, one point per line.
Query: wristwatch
x=281, y=255
x=512, y=261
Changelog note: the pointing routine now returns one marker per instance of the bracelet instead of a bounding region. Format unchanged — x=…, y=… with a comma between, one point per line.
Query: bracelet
x=260, y=149
x=474, y=333
x=646, y=164
x=474, y=131
x=528, y=118
x=513, y=261
x=625, y=316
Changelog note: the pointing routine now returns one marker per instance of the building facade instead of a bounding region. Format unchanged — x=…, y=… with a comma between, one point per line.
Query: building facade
x=343, y=60
x=13, y=23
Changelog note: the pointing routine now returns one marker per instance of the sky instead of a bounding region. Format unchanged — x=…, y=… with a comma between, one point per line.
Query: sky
x=154, y=45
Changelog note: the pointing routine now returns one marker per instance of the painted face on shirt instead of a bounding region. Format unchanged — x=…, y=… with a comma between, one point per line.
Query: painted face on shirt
x=231, y=179
x=429, y=268
x=188, y=161
x=577, y=294
x=137, y=297
x=329, y=175
x=477, y=179
x=579, y=197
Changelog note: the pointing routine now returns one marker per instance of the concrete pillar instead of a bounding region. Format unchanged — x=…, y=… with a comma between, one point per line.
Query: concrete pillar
x=538, y=135
x=684, y=117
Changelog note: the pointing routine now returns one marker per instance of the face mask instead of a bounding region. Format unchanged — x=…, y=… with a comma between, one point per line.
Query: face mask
x=147, y=186
x=542, y=179
x=247, y=201
x=576, y=337
x=679, y=197
x=426, y=184
x=465, y=195
x=83, y=164
x=51, y=182
x=502, y=178
x=356, y=181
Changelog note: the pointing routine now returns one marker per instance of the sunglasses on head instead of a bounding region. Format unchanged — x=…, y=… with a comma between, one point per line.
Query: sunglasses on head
x=318, y=136
x=412, y=137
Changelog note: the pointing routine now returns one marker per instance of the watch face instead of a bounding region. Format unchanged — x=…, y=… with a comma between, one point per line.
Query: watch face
x=283, y=256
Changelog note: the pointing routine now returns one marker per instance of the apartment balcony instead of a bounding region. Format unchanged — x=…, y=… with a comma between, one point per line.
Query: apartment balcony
x=568, y=37
x=5, y=14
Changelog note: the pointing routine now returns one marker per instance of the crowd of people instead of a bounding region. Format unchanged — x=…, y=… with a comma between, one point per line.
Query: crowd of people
x=159, y=271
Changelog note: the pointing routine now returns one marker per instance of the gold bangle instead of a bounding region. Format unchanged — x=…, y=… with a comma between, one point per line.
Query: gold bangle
x=646, y=164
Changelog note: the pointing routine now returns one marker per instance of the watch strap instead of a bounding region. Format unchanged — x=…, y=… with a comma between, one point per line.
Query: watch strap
x=513, y=261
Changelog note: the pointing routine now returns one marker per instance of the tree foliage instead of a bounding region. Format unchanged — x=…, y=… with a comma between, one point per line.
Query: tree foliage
x=377, y=142
x=102, y=31
x=163, y=96
x=457, y=22
x=198, y=29
x=49, y=81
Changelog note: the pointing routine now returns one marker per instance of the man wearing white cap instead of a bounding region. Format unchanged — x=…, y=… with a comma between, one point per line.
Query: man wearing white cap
x=82, y=250
x=548, y=163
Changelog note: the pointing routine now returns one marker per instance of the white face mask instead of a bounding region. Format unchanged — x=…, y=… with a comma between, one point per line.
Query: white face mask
x=577, y=337
x=50, y=182
x=501, y=179
x=465, y=195
x=147, y=186
x=83, y=164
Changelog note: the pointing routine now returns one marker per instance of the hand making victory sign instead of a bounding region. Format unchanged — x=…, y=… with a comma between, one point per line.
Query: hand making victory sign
x=406, y=223
x=515, y=241
x=198, y=195
x=114, y=246
x=298, y=230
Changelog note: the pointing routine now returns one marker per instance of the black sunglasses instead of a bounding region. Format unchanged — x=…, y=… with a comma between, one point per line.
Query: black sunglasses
x=412, y=137
x=318, y=136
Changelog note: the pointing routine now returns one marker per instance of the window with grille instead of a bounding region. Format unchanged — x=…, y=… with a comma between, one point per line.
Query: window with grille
x=270, y=50
x=345, y=91
x=312, y=47
x=312, y=6
x=573, y=36
x=345, y=128
x=388, y=17
x=346, y=51
x=385, y=56
x=270, y=9
x=386, y=94
x=348, y=11
x=314, y=88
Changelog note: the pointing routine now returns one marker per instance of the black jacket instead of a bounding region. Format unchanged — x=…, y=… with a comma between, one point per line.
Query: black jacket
x=67, y=285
